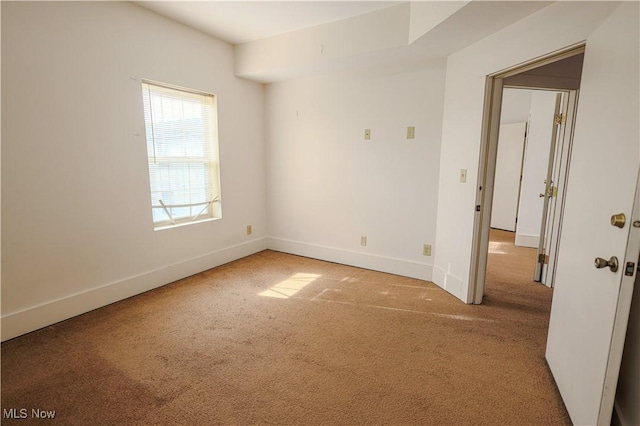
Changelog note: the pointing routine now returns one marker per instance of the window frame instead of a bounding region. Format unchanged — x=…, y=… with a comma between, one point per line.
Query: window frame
x=182, y=163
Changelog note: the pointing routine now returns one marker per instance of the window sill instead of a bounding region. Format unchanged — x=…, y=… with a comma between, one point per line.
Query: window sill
x=182, y=224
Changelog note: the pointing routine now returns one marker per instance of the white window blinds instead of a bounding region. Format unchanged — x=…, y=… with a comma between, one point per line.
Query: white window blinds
x=181, y=130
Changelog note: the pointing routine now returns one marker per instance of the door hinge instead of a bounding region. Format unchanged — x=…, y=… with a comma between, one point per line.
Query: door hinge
x=543, y=258
x=559, y=119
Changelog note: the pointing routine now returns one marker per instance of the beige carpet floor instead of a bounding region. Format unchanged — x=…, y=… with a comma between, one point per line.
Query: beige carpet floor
x=281, y=339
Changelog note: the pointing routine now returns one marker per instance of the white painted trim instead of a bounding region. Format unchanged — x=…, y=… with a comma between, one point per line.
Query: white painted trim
x=30, y=319
x=439, y=276
x=484, y=198
x=526, y=240
x=33, y=318
x=392, y=265
x=450, y=283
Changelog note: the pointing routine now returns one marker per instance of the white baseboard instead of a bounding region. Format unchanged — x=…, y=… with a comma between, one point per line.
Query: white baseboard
x=448, y=282
x=526, y=240
x=391, y=265
x=21, y=322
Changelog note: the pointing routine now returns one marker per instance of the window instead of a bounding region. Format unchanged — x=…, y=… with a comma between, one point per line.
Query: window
x=182, y=146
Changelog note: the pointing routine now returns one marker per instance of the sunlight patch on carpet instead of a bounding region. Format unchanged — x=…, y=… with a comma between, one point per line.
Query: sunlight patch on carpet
x=290, y=286
x=462, y=317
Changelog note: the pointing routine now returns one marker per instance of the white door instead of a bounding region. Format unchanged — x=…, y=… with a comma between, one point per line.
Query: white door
x=590, y=307
x=506, y=187
x=559, y=177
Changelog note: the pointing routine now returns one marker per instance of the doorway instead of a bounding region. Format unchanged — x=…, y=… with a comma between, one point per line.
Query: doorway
x=531, y=159
x=559, y=75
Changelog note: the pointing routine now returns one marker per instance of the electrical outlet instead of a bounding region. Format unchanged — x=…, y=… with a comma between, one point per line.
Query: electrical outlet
x=363, y=241
x=463, y=175
x=367, y=134
x=426, y=250
x=411, y=132
x=249, y=229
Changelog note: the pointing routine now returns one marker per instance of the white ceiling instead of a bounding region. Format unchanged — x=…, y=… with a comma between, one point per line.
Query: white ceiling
x=243, y=21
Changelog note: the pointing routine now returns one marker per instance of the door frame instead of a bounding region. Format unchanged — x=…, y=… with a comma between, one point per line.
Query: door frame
x=487, y=164
x=548, y=183
x=551, y=227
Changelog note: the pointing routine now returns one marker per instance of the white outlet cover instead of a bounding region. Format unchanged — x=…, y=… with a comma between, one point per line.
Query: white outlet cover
x=411, y=132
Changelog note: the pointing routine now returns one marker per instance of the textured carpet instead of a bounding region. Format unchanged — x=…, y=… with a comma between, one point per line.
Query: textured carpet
x=280, y=339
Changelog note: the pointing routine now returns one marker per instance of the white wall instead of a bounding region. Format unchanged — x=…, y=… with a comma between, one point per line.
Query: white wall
x=516, y=104
x=325, y=47
x=534, y=169
x=77, y=231
x=328, y=186
x=427, y=15
x=557, y=26
x=504, y=208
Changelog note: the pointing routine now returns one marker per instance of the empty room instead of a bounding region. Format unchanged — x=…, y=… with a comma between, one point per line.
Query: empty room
x=284, y=212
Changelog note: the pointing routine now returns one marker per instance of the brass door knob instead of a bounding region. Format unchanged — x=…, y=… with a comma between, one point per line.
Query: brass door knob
x=618, y=220
x=611, y=263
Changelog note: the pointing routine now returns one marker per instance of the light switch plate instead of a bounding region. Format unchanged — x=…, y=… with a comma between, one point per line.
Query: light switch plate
x=463, y=175
x=367, y=134
x=411, y=132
